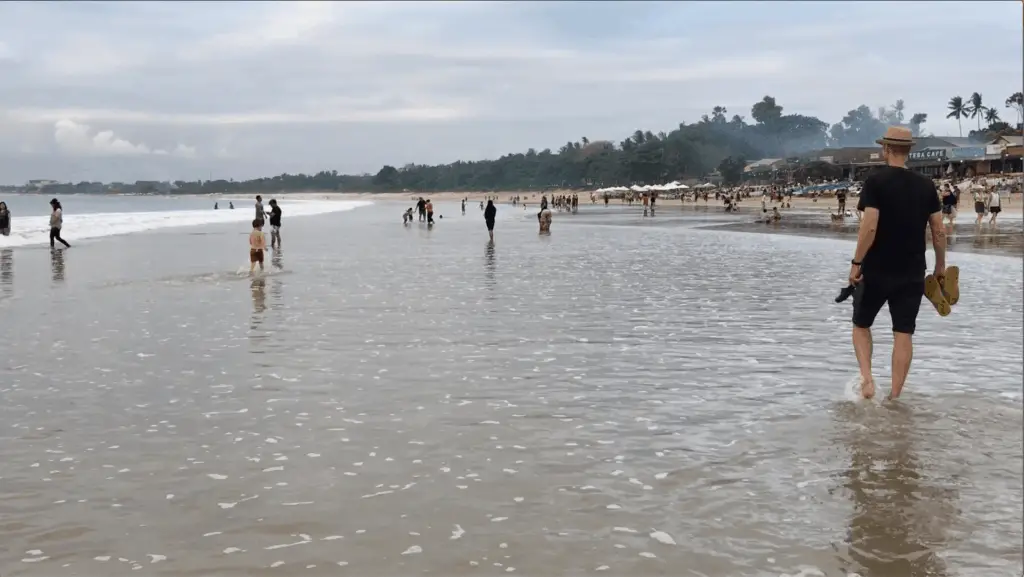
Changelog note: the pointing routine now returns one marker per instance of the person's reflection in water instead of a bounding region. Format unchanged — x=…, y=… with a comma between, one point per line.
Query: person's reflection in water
x=489, y=265
x=7, y=271
x=258, y=339
x=898, y=512
x=259, y=296
x=57, y=264
x=275, y=259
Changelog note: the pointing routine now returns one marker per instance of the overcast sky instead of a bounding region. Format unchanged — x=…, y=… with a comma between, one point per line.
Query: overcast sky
x=140, y=90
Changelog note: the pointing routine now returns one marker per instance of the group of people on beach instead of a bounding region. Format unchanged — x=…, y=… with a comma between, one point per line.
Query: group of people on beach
x=257, y=240
x=56, y=222
x=987, y=200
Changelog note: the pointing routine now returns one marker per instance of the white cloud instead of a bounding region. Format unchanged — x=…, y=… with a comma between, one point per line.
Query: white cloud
x=6, y=52
x=269, y=87
x=326, y=115
x=78, y=139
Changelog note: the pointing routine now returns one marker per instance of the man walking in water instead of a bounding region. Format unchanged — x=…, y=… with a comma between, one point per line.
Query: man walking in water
x=275, y=224
x=489, y=213
x=260, y=213
x=889, y=264
x=421, y=209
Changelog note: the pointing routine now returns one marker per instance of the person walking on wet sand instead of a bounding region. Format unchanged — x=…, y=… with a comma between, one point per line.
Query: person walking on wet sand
x=421, y=209
x=275, y=224
x=429, y=207
x=488, y=218
x=994, y=206
x=57, y=223
x=888, y=264
x=979, y=204
x=5, y=220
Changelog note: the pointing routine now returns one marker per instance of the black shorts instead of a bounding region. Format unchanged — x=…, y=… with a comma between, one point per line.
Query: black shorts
x=947, y=209
x=979, y=207
x=490, y=224
x=995, y=209
x=903, y=294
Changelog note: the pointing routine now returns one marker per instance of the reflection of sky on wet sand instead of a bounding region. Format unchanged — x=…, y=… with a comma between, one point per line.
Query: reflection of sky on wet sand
x=620, y=396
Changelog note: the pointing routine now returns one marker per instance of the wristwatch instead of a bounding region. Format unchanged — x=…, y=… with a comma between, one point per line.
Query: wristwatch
x=855, y=263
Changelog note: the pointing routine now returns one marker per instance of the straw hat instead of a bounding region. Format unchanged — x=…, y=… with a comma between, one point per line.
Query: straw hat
x=897, y=136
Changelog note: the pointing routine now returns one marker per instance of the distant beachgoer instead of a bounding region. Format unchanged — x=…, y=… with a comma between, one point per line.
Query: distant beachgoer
x=489, y=213
x=544, y=218
x=841, y=197
x=260, y=213
x=463, y=207
x=994, y=207
x=421, y=209
x=979, y=205
x=407, y=217
x=56, y=223
x=543, y=202
x=776, y=217
x=898, y=205
x=5, y=219
x=275, y=224
x=231, y=205
x=215, y=206
x=429, y=207
x=257, y=244
x=949, y=205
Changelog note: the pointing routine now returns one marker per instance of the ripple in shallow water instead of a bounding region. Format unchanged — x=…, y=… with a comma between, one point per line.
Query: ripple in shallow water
x=629, y=401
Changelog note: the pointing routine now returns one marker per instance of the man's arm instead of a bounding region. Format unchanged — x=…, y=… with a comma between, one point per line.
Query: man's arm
x=868, y=204
x=866, y=233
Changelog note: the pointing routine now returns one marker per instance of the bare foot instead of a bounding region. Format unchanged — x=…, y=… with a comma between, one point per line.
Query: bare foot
x=867, y=388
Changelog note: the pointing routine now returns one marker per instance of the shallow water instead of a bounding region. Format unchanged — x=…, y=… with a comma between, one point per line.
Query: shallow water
x=631, y=399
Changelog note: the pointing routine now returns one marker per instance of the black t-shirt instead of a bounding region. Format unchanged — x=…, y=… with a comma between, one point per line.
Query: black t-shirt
x=904, y=201
x=490, y=212
x=421, y=205
x=275, y=216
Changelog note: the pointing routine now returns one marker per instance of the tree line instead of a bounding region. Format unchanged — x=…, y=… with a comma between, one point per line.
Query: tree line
x=718, y=142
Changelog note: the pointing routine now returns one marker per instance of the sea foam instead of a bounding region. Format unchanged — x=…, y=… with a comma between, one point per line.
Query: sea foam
x=35, y=230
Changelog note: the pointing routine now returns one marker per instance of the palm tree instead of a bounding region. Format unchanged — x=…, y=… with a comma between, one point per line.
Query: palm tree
x=977, y=109
x=957, y=110
x=898, y=109
x=916, y=121
x=1016, y=102
x=991, y=116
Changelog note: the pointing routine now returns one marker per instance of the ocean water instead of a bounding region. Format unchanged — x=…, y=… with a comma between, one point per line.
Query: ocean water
x=92, y=217
x=616, y=398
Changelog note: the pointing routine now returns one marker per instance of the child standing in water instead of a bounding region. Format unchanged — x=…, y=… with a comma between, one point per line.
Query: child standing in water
x=257, y=244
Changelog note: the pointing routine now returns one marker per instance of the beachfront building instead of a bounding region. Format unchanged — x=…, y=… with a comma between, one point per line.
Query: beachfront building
x=762, y=172
x=949, y=156
x=932, y=156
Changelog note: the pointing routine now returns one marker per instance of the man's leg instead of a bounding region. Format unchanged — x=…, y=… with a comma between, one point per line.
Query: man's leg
x=862, y=348
x=904, y=305
x=902, y=354
x=868, y=299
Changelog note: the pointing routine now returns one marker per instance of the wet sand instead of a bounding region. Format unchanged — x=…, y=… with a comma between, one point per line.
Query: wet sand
x=627, y=396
